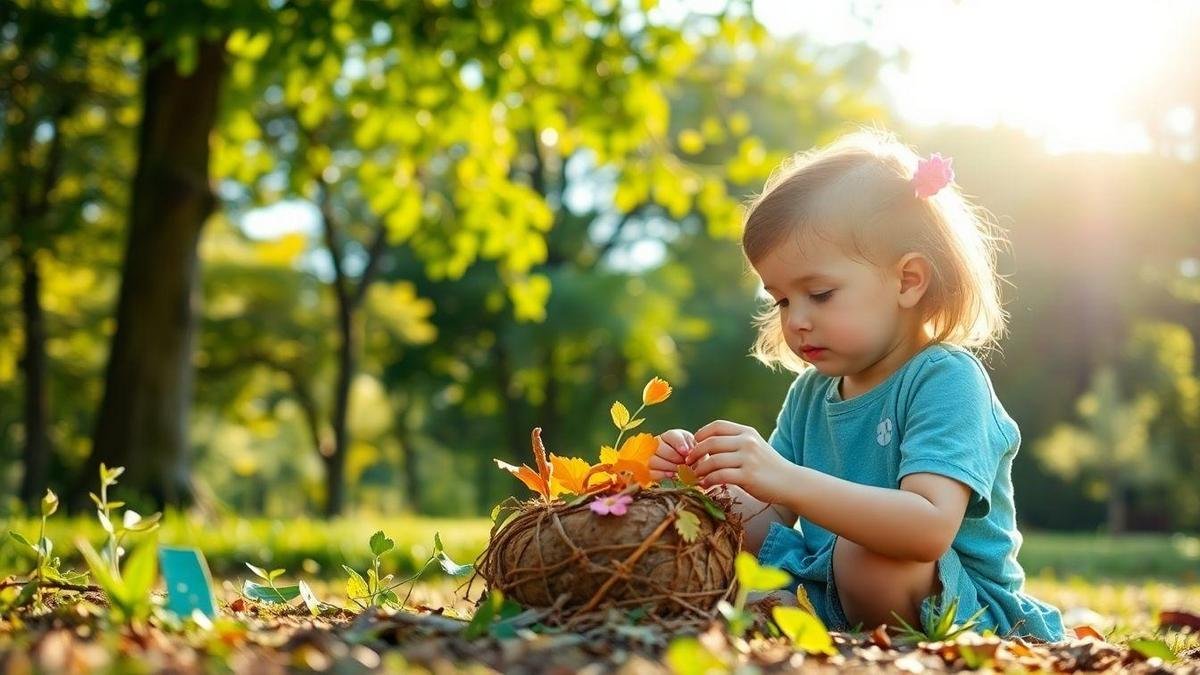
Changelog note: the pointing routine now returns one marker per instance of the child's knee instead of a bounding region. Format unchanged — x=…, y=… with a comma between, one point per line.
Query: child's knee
x=871, y=586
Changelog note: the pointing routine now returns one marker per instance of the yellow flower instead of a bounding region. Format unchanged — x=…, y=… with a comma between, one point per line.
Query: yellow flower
x=656, y=391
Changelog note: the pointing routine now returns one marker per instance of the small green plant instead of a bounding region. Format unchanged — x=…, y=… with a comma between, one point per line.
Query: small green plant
x=281, y=595
x=751, y=577
x=940, y=626
x=131, y=521
x=128, y=591
x=374, y=591
x=46, y=569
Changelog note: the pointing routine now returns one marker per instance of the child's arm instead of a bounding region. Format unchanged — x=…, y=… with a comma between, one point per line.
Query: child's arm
x=916, y=522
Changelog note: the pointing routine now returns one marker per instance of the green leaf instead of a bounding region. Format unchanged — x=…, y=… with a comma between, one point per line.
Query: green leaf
x=686, y=656
x=804, y=630
x=310, y=600
x=274, y=574
x=450, y=567
x=755, y=577
x=633, y=424
x=1152, y=648
x=140, y=573
x=356, y=586
x=688, y=526
x=494, y=608
x=21, y=538
x=275, y=596
x=381, y=544
x=99, y=504
x=105, y=522
x=437, y=543
x=260, y=572
x=709, y=505
x=113, y=587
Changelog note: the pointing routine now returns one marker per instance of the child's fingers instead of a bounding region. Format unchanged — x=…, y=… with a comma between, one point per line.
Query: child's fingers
x=677, y=439
x=658, y=463
x=713, y=445
x=659, y=475
x=719, y=428
x=711, y=463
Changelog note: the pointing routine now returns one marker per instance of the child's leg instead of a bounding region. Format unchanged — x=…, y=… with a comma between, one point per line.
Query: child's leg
x=871, y=586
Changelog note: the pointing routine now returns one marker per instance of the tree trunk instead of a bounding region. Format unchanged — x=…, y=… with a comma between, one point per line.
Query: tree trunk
x=33, y=364
x=143, y=419
x=335, y=461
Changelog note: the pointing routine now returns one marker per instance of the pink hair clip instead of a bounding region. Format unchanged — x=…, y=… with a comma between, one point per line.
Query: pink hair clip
x=932, y=175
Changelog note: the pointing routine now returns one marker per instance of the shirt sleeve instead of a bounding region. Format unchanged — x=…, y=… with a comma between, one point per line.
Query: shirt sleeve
x=784, y=438
x=951, y=429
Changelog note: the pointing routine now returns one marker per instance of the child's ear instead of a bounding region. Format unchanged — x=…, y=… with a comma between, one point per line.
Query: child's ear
x=914, y=273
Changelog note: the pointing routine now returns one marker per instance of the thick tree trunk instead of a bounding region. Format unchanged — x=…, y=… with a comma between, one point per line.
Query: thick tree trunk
x=33, y=364
x=143, y=420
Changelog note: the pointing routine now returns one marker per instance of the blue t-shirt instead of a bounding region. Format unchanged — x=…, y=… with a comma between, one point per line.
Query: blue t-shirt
x=938, y=414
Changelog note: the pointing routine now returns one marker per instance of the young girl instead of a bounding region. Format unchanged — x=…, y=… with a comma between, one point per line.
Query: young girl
x=887, y=481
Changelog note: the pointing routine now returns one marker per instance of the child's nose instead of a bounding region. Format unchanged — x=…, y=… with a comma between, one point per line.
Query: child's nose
x=799, y=321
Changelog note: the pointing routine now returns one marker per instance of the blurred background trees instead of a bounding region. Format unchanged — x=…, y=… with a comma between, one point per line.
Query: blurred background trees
x=287, y=257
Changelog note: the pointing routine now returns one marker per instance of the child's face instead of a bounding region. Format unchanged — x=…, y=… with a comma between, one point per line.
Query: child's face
x=839, y=313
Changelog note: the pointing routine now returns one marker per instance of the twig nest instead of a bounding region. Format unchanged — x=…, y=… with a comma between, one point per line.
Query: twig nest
x=565, y=555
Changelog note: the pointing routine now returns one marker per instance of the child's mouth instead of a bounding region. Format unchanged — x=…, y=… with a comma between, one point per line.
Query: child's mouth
x=812, y=352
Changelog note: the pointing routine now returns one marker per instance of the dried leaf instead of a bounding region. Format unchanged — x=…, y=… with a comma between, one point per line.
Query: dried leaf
x=688, y=526
x=539, y=455
x=527, y=476
x=1178, y=619
x=1082, y=632
x=686, y=475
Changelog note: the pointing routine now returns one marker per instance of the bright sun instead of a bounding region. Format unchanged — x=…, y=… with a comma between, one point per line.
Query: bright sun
x=1076, y=74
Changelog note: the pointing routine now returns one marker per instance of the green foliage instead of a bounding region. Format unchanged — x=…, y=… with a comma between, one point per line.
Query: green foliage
x=940, y=625
x=804, y=629
x=492, y=617
x=750, y=577
x=687, y=656
x=131, y=522
x=128, y=589
x=375, y=591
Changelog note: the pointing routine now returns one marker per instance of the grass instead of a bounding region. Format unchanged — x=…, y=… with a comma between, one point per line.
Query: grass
x=318, y=547
x=1124, y=580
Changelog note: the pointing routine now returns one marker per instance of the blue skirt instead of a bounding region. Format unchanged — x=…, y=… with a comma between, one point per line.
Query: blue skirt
x=784, y=547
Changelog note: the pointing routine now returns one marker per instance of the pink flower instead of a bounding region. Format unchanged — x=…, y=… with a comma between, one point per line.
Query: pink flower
x=614, y=505
x=932, y=175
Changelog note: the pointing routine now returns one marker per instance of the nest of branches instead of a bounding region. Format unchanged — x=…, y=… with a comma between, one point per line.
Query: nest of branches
x=562, y=554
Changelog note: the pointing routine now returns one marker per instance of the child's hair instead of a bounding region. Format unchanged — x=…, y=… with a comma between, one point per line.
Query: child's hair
x=857, y=191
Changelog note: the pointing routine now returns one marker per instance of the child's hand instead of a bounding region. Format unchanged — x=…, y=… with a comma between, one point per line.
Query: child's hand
x=736, y=454
x=673, y=446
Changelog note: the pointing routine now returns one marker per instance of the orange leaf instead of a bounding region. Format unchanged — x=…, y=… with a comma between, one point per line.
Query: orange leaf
x=638, y=449
x=1082, y=632
x=527, y=476
x=656, y=391
x=686, y=475
x=539, y=454
x=607, y=455
x=640, y=471
x=569, y=473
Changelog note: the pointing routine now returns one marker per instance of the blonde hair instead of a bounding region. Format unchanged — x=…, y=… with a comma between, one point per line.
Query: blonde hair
x=858, y=187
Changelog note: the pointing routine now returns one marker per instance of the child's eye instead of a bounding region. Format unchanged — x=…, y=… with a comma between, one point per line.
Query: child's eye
x=783, y=302
x=821, y=297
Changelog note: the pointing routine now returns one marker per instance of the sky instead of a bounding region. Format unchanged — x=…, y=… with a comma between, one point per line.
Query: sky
x=1067, y=72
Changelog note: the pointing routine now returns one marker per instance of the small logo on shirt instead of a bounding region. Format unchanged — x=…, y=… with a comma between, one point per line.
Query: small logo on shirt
x=883, y=432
